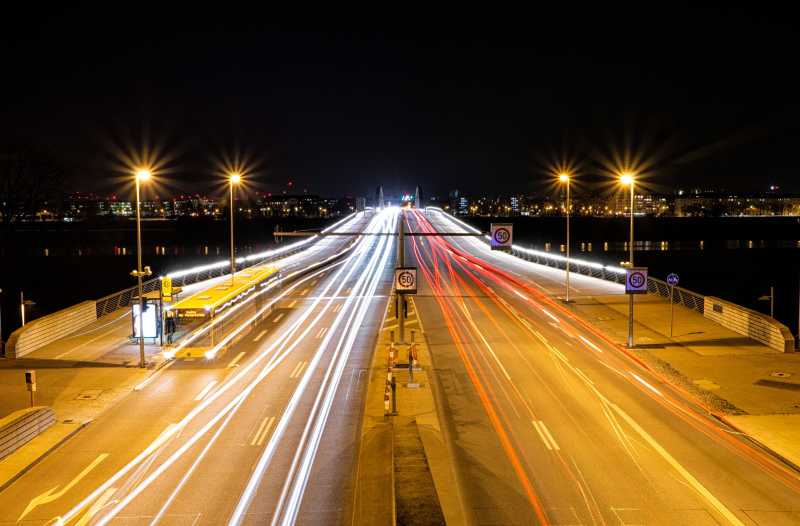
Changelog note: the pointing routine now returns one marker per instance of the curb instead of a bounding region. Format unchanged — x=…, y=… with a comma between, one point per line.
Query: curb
x=765, y=448
x=41, y=457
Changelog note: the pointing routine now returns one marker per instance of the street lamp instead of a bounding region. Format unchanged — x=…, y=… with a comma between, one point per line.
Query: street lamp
x=141, y=176
x=627, y=179
x=565, y=178
x=233, y=178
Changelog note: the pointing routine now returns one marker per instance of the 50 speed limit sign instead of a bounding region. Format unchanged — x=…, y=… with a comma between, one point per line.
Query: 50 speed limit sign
x=636, y=280
x=501, y=236
x=405, y=280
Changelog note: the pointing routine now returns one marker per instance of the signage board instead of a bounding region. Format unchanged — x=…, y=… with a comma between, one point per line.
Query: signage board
x=150, y=327
x=636, y=280
x=405, y=280
x=501, y=236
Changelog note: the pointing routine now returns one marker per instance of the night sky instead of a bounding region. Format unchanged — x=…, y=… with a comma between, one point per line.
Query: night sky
x=475, y=101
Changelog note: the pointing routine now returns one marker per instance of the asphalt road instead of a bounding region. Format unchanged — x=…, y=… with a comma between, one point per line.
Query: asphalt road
x=265, y=432
x=552, y=423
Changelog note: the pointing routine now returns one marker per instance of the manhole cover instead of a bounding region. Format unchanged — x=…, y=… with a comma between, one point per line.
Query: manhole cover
x=780, y=374
x=89, y=394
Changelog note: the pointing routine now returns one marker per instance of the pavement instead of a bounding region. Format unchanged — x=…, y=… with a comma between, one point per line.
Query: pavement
x=552, y=421
x=269, y=428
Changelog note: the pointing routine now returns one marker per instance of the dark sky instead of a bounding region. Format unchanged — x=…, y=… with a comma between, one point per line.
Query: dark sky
x=475, y=101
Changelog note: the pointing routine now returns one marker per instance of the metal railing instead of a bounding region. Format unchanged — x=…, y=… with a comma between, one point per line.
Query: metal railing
x=124, y=298
x=611, y=273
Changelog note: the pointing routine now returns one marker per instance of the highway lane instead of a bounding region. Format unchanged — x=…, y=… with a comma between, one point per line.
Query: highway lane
x=552, y=423
x=84, y=474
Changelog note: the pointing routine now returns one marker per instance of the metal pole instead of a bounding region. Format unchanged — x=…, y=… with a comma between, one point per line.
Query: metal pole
x=671, y=309
x=568, y=181
x=22, y=307
x=771, y=302
x=2, y=345
x=630, y=296
x=233, y=254
x=142, y=363
x=401, y=262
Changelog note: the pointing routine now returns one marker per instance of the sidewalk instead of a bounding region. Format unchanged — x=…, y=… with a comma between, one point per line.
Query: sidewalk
x=756, y=388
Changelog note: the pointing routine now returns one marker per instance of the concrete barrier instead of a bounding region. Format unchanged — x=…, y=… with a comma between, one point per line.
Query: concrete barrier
x=750, y=323
x=47, y=329
x=20, y=427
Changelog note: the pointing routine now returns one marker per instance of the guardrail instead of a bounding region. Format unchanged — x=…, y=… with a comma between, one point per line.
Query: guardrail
x=20, y=427
x=49, y=328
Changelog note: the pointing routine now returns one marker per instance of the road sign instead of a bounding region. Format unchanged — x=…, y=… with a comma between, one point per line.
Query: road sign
x=636, y=280
x=502, y=236
x=672, y=279
x=166, y=288
x=405, y=280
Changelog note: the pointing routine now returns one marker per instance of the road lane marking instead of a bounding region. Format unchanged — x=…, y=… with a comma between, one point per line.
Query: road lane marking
x=305, y=291
x=235, y=360
x=688, y=477
x=590, y=344
x=545, y=435
x=153, y=376
x=644, y=383
x=292, y=304
x=298, y=369
x=207, y=389
x=551, y=316
x=263, y=431
x=260, y=335
x=51, y=494
x=338, y=307
x=321, y=332
x=97, y=506
x=278, y=318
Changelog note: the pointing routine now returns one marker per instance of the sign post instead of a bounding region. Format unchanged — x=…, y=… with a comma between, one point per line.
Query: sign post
x=672, y=280
x=501, y=236
x=30, y=383
x=635, y=283
x=405, y=282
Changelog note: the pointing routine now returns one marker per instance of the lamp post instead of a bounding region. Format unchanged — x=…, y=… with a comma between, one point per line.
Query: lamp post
x=141, y=176
x=564, y=178
x=233, y=178
x=627, y=180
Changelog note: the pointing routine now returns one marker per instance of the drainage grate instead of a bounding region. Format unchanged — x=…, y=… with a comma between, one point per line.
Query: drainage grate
x=780, y=374
x=89, y=394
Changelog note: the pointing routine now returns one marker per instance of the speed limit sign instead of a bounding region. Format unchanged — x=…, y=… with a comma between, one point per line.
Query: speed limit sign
x=636, y=280
x=501, y=236
x=405, y=280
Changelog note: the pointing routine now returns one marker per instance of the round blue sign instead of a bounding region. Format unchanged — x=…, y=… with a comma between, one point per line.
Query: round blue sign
x=672, y=279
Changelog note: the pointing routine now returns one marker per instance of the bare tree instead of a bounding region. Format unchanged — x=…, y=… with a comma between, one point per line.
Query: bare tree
x=30, y=177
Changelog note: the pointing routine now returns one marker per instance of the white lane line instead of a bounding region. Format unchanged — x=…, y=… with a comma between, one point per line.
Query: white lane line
x=688, y=477
x=152, y=377
x=338, y=307
x=207, y=389
x=305, y=291
x=551, y=316
x=590, y=344
x=263, y=431
x=277, y=318
x=298, y=370
x=236, y=360
x=541, y=434
x=99, y=504
x=292, y=304
x=547, y=432
x=321, y=332
x=644, y=383
x=260, y=335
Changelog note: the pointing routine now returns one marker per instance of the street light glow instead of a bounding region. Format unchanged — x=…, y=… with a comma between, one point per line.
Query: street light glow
x=563, y=177
x=236, y=178
x=143, y=175
x=626, y=179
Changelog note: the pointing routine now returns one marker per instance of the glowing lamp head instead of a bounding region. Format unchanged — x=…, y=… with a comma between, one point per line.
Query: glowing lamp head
x=143, y=175
x=626, y=179
x=563, y=177
x=235, y=178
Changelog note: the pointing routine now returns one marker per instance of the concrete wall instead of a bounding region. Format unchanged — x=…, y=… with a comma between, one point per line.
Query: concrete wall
x=749, y=323
x=20, y=427
x=47, y=329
